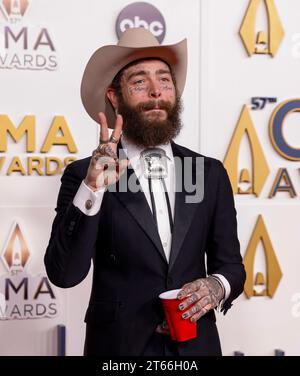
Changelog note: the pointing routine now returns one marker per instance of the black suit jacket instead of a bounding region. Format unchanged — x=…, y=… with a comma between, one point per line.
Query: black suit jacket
x=130, y=267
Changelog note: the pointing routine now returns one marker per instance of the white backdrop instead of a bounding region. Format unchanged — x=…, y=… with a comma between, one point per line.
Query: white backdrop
x=221, y=79
x=229, y=78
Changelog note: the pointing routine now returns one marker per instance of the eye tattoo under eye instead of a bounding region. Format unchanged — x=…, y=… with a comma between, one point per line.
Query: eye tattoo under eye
x=141, y=86
x=138, y=87
x=166, y=86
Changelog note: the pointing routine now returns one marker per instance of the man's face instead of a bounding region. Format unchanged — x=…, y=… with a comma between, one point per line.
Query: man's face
x=149, y=104
x=149, y=82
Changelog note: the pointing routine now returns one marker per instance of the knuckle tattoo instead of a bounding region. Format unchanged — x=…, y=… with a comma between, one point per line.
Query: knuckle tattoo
x=192, y=299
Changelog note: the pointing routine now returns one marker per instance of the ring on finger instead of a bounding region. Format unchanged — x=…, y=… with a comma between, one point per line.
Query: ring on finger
x=113, y=139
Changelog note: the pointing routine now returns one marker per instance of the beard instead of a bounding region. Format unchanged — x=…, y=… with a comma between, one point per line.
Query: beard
x=150, y=131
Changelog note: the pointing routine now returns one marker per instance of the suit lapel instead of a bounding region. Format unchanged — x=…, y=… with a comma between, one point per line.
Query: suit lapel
x=184, y=211
x=136, y=203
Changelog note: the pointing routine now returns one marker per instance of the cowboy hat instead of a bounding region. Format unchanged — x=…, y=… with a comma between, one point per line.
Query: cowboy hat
x=107, y=61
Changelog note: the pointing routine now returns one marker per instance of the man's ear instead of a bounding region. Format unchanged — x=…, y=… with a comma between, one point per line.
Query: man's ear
x=112, y=96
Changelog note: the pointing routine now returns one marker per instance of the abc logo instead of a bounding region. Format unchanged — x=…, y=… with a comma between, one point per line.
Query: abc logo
x=142, y=15
x=155, y=27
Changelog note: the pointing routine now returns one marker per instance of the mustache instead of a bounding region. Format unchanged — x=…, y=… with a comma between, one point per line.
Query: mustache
x=151, y=105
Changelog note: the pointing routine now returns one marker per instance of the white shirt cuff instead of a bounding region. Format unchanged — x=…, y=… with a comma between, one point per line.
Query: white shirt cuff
x=225, y=284
x=227, y=289
x=88, y=201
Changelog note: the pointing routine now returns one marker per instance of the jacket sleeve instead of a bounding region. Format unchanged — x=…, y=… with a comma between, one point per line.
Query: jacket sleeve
x=223, y=247
x=73, y=237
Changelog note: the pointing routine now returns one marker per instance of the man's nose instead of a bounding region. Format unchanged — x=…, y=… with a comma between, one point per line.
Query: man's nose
x=154, y=90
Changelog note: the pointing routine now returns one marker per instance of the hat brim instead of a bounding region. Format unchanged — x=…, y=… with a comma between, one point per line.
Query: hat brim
x=107, y=61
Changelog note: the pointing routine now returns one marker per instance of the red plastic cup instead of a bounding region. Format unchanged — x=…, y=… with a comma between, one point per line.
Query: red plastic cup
x=180, y=329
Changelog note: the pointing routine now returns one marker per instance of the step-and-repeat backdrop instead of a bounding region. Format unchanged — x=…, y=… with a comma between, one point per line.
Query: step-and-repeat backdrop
x=241, y=105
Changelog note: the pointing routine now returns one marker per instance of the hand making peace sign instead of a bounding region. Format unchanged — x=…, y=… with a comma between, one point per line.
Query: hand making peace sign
x=105, y=167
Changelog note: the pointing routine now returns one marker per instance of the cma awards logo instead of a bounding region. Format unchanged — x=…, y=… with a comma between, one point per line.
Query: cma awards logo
x=262, y=42
x=23, y=296
x=14, y=10
x=24, y=46
x=260, y=284
x=39, y=159
x=142, y=14
x=247, y=181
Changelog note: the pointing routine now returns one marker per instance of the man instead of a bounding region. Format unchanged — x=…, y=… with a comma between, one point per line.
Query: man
x=151, y=236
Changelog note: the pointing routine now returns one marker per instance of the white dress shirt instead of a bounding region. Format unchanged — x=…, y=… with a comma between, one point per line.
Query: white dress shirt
x=85, y=195
x=134, y=155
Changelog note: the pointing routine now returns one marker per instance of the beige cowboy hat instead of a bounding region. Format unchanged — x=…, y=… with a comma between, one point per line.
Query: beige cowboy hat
x=107, y=61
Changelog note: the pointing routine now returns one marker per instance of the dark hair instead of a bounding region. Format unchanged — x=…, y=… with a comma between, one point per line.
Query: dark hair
x=116, y=82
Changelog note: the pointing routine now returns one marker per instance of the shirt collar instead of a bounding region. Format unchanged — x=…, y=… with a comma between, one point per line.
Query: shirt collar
x=133, y=151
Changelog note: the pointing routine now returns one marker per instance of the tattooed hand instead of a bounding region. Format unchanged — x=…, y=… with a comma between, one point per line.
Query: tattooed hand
x=105, y=167
x=201, y=295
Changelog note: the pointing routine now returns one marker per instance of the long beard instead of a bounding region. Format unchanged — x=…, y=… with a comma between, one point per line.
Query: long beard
x=149, y=132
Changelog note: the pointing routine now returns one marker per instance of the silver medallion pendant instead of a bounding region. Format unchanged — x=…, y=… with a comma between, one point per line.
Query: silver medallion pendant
x=154, y=162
